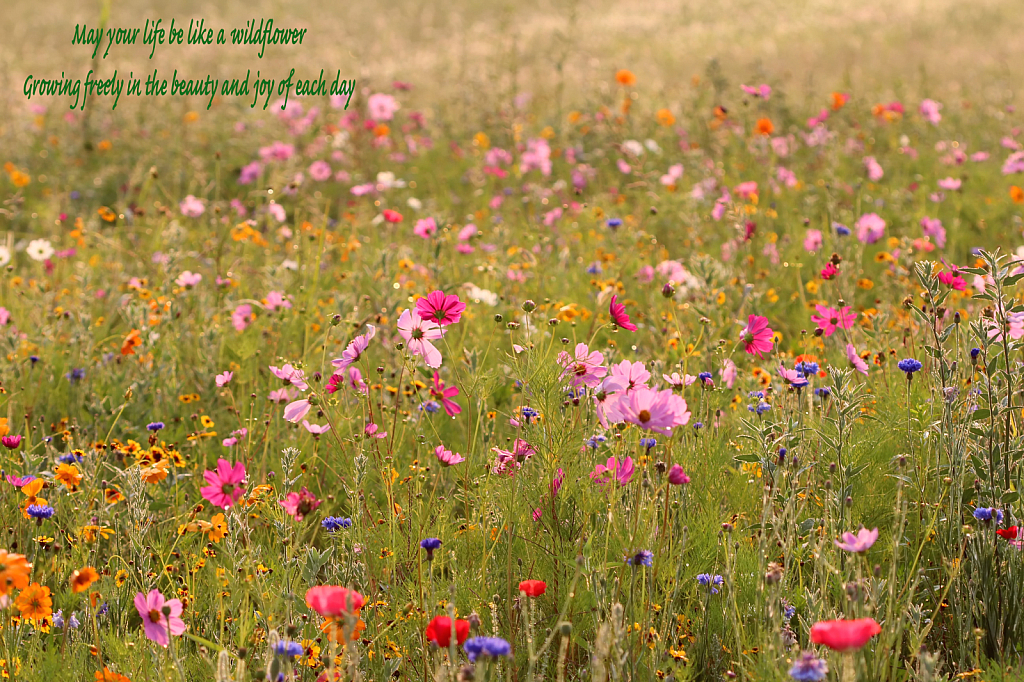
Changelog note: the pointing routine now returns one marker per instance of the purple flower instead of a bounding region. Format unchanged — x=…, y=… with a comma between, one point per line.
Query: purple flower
x=808, y=668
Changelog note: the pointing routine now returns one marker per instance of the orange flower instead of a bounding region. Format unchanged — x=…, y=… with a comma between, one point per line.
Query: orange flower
x=14, y=570
x=665, y=117
x=839, y=100
x=82, y=578
x=112, y=495
x=219, y=528
x=764, y=126
x=335, y=629
x=106, y=214
x=69, y=475
x=155, y=473
x=625, y=77
x=34, y=602
x=130, y=342
x=110, y=676
x=1017, y=194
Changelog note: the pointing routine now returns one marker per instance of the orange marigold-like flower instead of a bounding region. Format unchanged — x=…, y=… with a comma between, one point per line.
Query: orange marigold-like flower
x=764, y=126
x=69, y=475
x=1017, y=194
x=14, y=570
x=665, y=117
x=35, y=603
x=82, y=578
x=625, y=77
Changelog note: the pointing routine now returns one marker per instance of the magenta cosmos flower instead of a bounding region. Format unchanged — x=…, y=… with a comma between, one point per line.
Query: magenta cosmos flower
x=757, y=336
x=300, y=504
x=619, y=316
x=437, y=306
x=658, y=411
x=861, y=542
x=447, y=457
x=159, y=626
x=621, y=472
x=355, y=348
x=870, y=228
x=418, y=334
x=830, y=319
x=225, y=483
x=583, y=367
x=444, y=395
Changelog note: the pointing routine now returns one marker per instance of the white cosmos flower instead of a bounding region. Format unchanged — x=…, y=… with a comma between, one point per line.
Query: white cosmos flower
x=5, y=256
x=633, y=147
x=414, y=203
x=482, y=295
x=39, y=249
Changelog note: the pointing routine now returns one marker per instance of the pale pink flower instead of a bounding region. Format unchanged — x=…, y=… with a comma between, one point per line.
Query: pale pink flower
x=296, y=410
x=856, y=361
x=658, y=411
x=425, y=228
x=382, y=107
x=861, y=542
x=447, y=457
x=677, y=380
x=830, y=319
x=290, y=375
x=633, y=374
x=191, y=207
x=583, y=368
x=932, y=227
x=418, y=333
x=606, y=400
x=223, y=378
x=316, y=429
x=950, y=184
x=930, y=110
x=728, y=373
x=157, y=625
x=275, y=300
x=188, y=279
x=874, y=169
x=355, y=348
x=870, y=228
x=613, y=470
x=812, y=240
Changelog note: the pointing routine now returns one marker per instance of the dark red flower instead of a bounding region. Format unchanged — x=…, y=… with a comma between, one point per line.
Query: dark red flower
x=533, y=588
x=1007, y=533
x=439, y=631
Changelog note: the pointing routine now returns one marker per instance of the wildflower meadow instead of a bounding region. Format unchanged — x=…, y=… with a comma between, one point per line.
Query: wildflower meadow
x=715, y=383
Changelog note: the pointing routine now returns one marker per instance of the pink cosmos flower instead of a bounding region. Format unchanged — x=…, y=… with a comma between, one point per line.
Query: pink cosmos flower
x=829, y=271
x=444, y=309
x=355, y=348
x=633, y=374
x=316, y=429
x=583, y=367
x=282, y=395
x=290, y=375
x=355, y=380
x=728, y=373
x=861, y=542
x=320, y=170
x=757, y=336
x=447, y=457
x=606, y=399
x=445, y=395
x=932, y=227
x=812, y=240
x=856, y=361
x=536, y=157
x=676, y=475
x=299, y=505
x=619, y=316
x=241, y=316
x=830, y=319
x=191, y=207
x=675, y=172
x=645, y=274
x=792, y=377
x=621, y=472
x=224, y=378
x=157, y=625
x=296, y=410
x=373, y=431
x=418, y=333
x=874, y=169
x=467, y=233
x=425, y=228
x=508, y=461
x=950, y=184
x=224, y=487
x=658, y=411
x=676, y=380
x=188, y=279
x=382, y=107
x=930, y=110
x=764, y=91
x=870, y=228
x=275, y=300
x=746, y=190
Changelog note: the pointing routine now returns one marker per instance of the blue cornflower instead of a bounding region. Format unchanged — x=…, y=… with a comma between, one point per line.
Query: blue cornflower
x=981, y=513
x=288, y=648
x=492, y=647
x=648, y=442
x=642, y=558
x=788, y=611
x=807, y=368
x=614, y=222
x=594, y=268
x=58, y=620
x=431, y=406
x=756, y=394
x=34, y=358
x=595, y=441
x=762, y=407
x=704, y=377
x=104, y=608
x=697, y=426
x=75, y=375
x=154, y=426
x=75, y=194
x=823, y=392
x=430, y=544
x=808, y=668
x=335, y=523
x=40, y=511
x=712, y=581
x=841, y=230
x=69, y=458
x=529, y=414
x=975, y=352
x=909, y=365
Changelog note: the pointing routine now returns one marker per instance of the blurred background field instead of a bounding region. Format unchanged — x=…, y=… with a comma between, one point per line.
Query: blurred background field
x=464, y=51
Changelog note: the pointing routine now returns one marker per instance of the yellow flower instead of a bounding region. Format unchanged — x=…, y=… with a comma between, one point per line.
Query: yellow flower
x=864, y=283
x=206, y=422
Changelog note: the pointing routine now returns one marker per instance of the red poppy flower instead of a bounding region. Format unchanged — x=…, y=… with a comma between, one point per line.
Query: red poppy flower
x=533, y=588
x=1007, y=533
x=439, y=631
x=392, y=216
x=844, y=635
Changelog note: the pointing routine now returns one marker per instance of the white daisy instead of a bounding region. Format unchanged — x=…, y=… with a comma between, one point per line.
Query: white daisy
x=39, y=249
